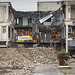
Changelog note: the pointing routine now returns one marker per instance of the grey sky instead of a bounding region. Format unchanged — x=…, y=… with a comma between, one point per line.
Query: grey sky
x=25, y=5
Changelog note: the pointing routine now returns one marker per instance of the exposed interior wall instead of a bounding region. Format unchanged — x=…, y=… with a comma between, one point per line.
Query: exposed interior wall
x=47, y=23
x=29, y=21
x=25, y=21
x=45, y=36
x=48, y=38
x=42, y=36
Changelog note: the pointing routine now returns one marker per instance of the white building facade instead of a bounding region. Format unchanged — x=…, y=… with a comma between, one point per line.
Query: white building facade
x=6, y=24
x=70, y=25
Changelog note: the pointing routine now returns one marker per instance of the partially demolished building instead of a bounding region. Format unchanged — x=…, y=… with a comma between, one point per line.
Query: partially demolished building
x=67, y=22
x=52, y=23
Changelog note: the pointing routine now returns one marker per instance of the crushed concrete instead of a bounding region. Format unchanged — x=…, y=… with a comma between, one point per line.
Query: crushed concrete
x=72, y=60
x=21, y=61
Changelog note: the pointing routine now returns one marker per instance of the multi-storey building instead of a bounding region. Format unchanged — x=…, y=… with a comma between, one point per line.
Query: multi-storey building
x=6, y=24
x=69, y=25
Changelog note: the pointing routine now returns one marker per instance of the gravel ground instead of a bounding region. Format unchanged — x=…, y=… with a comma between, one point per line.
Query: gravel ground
x=70, y=71
x=21, y=61
x=47, y=69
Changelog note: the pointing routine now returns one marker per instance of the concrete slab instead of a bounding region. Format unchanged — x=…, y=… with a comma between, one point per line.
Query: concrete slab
x=46, y=69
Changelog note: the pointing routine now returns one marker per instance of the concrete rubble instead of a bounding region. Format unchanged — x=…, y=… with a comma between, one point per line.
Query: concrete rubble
x=21, y=61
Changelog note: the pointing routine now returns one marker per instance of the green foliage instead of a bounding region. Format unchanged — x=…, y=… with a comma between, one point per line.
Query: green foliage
x=62, y=53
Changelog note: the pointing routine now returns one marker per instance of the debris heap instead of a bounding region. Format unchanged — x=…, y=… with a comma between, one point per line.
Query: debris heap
x=23, y=60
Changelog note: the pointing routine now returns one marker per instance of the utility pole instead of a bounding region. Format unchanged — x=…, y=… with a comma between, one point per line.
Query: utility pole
x=67, y=27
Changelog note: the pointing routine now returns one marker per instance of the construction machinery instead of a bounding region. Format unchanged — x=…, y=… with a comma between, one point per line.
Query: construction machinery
x=24, y=35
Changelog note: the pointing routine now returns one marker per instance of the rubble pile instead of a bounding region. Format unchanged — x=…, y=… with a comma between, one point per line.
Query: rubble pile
x=39, y=55
x=25, y=59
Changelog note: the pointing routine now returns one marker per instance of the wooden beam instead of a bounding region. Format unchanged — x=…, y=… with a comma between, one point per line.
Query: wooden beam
x=64, y=66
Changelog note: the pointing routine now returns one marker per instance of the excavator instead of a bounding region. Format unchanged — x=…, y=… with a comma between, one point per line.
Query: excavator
x=24, y=35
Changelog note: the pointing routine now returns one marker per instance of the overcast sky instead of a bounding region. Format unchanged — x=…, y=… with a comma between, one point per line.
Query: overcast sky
x=24, y=5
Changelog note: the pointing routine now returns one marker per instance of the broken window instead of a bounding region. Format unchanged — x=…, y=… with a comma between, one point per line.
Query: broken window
x=29, y=21
x=17, y=20
x=49, y=20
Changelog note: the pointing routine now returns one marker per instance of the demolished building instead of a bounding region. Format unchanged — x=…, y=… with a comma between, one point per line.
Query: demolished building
x=67, y=27
x=56, y=28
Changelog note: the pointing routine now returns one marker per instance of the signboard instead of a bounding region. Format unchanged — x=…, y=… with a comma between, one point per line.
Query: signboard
x=23, y=37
